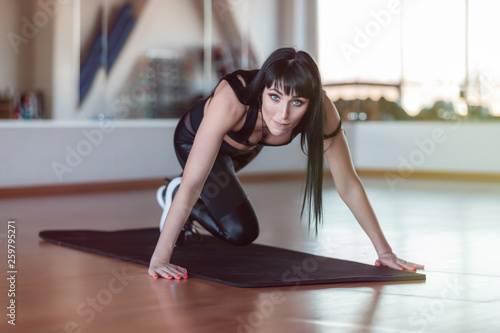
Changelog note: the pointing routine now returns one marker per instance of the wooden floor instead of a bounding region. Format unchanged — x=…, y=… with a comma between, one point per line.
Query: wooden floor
x=451, y=227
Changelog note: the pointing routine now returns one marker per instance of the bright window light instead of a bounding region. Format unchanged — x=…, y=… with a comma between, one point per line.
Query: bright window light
x=421, y=45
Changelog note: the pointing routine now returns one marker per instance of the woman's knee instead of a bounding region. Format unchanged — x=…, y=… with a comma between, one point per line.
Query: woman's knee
x=241, y=227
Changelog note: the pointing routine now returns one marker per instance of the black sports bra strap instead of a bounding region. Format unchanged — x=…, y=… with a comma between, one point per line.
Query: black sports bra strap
x=244, y=133
x=334, y=133
x=236, y=85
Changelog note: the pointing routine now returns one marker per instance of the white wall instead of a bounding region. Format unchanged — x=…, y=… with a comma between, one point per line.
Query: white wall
x=80, y=152
x=52, y=153
x=34, y=154
x=426, y=146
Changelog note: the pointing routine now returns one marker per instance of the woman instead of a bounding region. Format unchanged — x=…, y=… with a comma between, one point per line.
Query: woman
x=221, y=134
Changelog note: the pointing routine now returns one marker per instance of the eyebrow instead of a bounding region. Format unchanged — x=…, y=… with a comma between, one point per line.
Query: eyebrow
x=279, y=92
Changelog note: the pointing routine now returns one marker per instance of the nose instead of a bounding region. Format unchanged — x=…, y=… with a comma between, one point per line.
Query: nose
x=284, y=111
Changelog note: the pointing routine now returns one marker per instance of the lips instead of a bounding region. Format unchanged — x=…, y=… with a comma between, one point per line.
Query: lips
x=277, y=123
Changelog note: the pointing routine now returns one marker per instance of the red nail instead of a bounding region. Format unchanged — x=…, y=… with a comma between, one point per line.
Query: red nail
x=401, y=268
x=156, y=276
x=169, y=276
x=377, y=264
x=178, y=276
x=413, y=267
x=185, y=276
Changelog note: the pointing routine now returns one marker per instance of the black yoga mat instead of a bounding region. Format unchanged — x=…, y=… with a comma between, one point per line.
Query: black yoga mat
x=239, y=266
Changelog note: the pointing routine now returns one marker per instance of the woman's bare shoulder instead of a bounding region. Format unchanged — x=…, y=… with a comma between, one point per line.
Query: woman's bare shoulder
x=332, y=116
x=225, y=100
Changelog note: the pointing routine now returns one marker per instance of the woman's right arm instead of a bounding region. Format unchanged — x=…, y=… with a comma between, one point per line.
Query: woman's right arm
x=222, y=114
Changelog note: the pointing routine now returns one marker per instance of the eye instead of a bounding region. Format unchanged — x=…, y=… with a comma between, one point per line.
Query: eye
x=297, y=103
x=274, y=97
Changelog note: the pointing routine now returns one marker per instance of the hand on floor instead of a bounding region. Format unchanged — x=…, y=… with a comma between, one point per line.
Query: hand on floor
x=167, y=270
x=392, y=261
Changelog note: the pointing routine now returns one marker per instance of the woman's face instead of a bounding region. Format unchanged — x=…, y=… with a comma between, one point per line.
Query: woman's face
x=282, y=112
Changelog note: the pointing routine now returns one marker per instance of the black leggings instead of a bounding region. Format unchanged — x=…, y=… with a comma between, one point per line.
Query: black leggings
x=223, y=209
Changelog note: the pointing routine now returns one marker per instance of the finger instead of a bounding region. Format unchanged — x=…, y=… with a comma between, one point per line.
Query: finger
x=152, y=273
x=177, y=274
x=408, y=267
x=413, y=267
x=170, y=273
x=417, y=266
x=174, y=273
x=164, y=273
x=183, y=271
x=181, y=275
x=394, y=265
x=405, y=265
x=377, y=263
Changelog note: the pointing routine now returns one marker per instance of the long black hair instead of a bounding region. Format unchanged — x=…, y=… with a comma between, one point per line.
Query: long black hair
x=296, y=72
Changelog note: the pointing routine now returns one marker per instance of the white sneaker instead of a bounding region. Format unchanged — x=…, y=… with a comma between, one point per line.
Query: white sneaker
x=160, y=196
x=166, y=201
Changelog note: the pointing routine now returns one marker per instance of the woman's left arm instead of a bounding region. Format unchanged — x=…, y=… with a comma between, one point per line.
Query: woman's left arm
x=352, y=192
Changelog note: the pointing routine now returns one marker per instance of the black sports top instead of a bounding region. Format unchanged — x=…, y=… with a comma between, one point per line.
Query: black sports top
x=241, y=136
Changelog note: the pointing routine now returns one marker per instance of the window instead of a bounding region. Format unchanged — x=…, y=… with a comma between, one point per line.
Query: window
x=420, y=48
